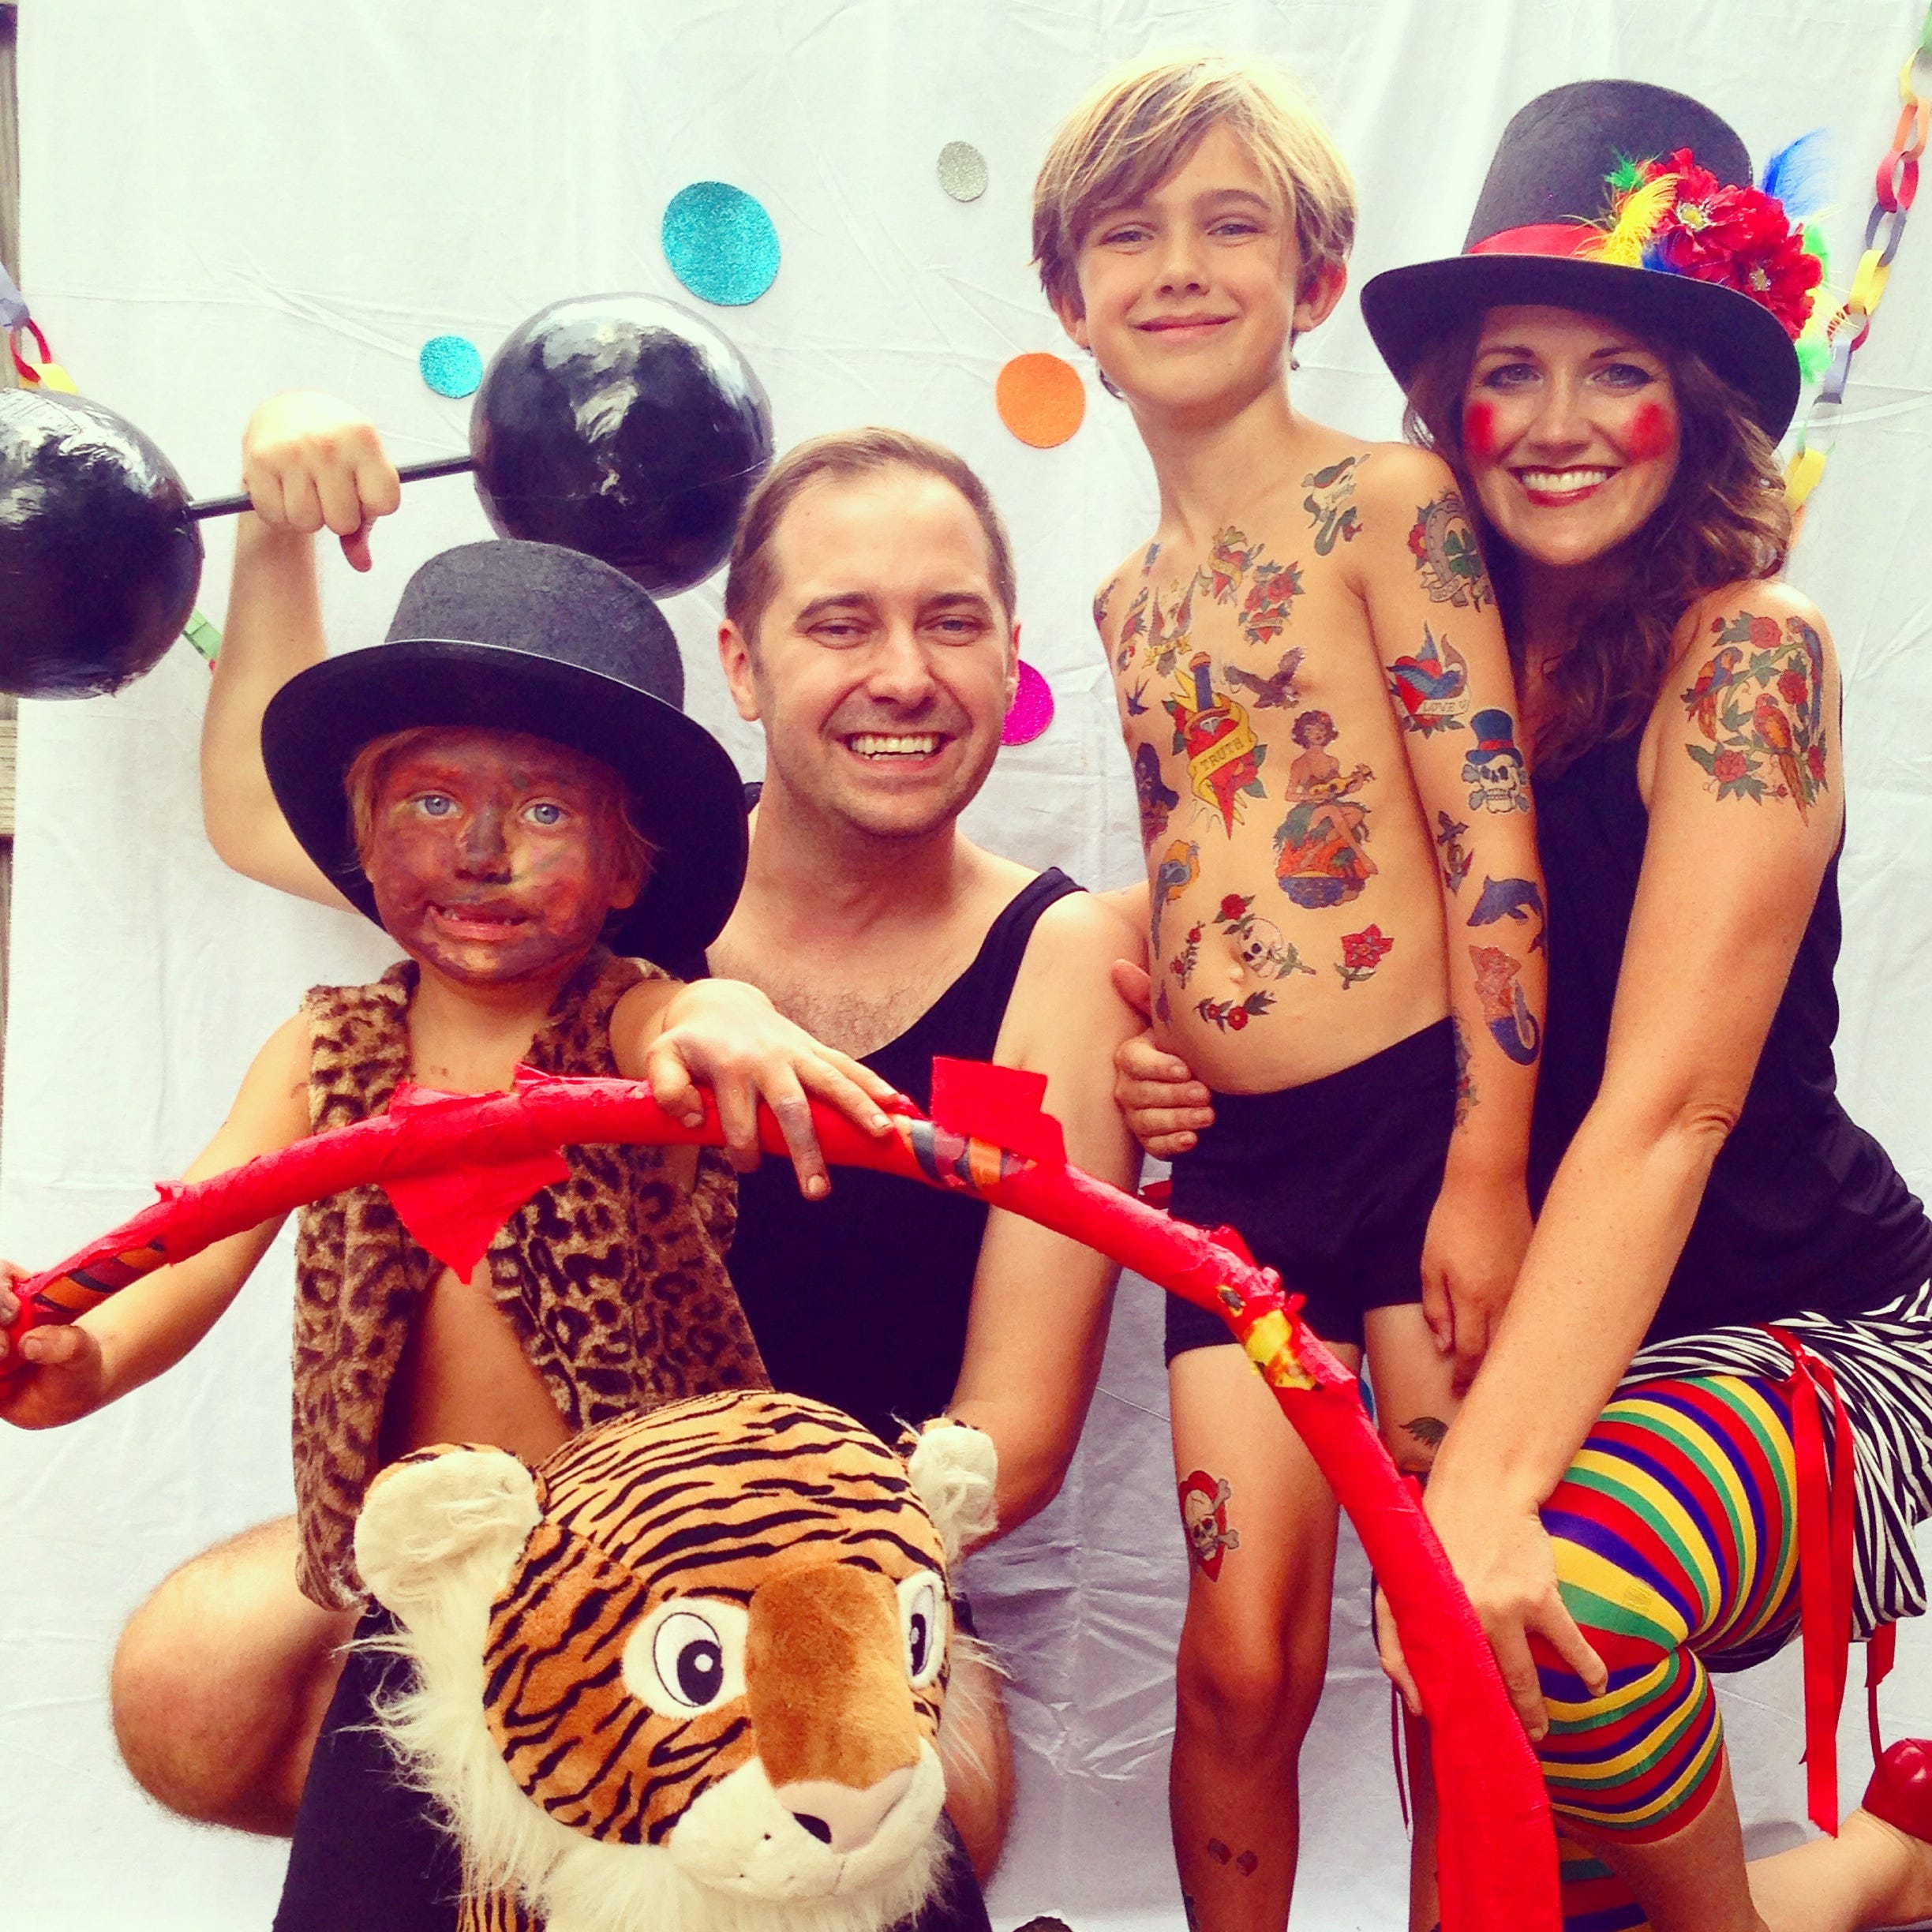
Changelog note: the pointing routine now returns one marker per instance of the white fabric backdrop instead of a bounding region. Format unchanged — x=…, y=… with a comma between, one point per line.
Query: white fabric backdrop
x=223, y=199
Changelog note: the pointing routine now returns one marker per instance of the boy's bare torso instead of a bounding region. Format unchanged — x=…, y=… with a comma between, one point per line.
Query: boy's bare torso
x=1296, y=920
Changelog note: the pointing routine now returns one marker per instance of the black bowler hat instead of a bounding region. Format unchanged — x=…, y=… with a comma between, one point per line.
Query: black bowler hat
x=527, y=637
x=1589, y=205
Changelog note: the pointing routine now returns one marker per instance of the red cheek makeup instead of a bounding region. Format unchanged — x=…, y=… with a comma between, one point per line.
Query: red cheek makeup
x=1652, y=432
x=1479, y=432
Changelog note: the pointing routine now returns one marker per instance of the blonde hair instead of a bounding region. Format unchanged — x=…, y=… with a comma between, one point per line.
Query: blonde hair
x=363, y=782
x=1143, y=122
x=751, y=582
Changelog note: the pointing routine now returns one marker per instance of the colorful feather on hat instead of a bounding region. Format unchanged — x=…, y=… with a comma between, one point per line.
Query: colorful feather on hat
x=1798, y=176
x=1636, y=210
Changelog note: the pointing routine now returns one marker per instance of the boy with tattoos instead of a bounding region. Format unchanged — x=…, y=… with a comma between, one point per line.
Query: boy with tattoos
x=1345, y=912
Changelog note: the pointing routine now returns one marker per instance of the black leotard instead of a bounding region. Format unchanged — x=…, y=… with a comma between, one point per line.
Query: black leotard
x=861, y=1299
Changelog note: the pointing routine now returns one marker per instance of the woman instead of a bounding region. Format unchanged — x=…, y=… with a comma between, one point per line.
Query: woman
x=1607, y=365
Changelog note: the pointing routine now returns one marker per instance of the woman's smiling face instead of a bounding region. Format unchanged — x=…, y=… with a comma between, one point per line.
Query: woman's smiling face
x=1571, y=432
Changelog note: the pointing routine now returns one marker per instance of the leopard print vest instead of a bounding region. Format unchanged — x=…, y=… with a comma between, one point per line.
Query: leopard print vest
x=614, y=1281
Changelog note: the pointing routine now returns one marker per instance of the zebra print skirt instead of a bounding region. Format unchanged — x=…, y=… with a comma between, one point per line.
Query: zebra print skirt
x=1883, y=1363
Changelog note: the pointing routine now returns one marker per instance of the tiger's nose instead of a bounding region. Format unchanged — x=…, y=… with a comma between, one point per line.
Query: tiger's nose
x=838, y=1815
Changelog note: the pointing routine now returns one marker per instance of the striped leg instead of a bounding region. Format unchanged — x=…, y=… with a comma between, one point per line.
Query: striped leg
x=1675, y=1539
x=1594, y=1898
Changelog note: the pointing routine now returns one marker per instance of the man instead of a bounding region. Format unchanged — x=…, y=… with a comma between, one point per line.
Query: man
x=869, y=627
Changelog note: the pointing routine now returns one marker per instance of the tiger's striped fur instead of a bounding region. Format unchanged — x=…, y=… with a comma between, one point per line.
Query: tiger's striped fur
x=645, y=1671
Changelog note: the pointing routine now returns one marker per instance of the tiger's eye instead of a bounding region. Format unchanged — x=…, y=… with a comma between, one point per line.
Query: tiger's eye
x=700, y=1671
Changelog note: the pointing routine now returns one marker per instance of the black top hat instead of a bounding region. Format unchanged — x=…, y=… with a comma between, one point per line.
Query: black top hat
x=1572, y=214
x=527, y=637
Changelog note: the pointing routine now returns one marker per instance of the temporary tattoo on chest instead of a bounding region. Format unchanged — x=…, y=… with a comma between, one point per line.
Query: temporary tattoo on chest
x=1362, y=953
x=1133, y=627
x=1465, y=1094
x=1179, y=868
x=1157, y=798
x=1230, y=560
x=1231, y=1016
x=1446, y=554
x=1759, y=702
x=1331, y=505
x=1203, y=1511
x=1510, y=899
x=1430, y=687
x=1136, y=700
x=1276, y=692
x=1265, y=610
x=1505, y=1012
x=1224, y=757
x=1455, y=860
x=1319, y=854
x=1264, y=952
x=1494, y=771
x=1104, y=597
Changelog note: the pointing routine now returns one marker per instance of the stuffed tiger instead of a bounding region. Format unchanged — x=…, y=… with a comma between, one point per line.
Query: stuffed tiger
x=687, y=1675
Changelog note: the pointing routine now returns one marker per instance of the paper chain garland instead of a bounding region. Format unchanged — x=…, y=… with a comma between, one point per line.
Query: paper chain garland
x=457, y=1166
x=1897, y=187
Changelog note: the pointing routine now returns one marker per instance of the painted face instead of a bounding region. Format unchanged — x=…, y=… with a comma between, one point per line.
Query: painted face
x=1188, y=295
x=495, y=858
x=1571, y=426
x=883, y=668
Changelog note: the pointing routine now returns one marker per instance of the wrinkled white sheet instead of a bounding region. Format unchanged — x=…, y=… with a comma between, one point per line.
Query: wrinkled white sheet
x=224, y=198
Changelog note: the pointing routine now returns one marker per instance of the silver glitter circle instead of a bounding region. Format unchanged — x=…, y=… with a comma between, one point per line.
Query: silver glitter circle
x=962, y=171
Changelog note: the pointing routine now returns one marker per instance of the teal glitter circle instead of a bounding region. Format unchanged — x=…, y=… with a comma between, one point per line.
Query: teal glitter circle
x=721, y=243
x=450, y=365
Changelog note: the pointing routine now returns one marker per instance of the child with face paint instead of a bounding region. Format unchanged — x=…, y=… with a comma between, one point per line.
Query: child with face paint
x=510, y=788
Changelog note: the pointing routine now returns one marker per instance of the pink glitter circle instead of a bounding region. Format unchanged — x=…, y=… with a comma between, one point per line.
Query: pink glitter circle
x=1032, y=709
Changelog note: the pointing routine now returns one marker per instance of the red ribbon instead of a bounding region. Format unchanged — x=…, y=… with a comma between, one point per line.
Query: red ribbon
x=28, y=374
x=1827, y=1506
x=1881, y=1654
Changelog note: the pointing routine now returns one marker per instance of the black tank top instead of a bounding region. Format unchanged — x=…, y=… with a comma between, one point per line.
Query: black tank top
x=1802, y=1210
x=861, y=1299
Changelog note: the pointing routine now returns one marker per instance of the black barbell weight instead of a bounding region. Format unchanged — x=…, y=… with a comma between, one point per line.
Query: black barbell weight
x=624, y=425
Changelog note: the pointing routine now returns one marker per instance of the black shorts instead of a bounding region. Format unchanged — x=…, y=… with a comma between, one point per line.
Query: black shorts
x=371, y=1856
x=1330, y=1183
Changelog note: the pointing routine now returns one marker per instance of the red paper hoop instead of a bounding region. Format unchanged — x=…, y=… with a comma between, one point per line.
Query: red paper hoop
x=989, y=1137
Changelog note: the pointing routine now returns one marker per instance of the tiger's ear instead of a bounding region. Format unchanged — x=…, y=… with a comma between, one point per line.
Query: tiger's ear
x=440, y=1516
x=953, y=1467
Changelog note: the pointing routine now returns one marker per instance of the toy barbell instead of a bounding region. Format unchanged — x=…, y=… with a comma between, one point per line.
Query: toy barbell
x=624, y=425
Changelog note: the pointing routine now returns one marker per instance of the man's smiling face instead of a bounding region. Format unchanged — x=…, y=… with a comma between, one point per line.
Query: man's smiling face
x=883, y=665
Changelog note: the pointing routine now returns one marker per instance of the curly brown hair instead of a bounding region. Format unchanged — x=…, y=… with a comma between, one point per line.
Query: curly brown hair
x=1725, y=519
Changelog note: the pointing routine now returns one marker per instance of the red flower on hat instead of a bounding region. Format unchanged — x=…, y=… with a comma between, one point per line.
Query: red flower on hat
x=1736, y=236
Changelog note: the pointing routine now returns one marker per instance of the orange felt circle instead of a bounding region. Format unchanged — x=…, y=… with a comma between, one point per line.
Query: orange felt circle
x=1041, y=399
